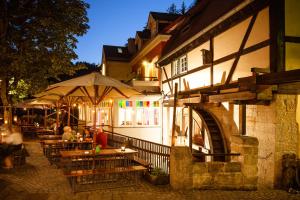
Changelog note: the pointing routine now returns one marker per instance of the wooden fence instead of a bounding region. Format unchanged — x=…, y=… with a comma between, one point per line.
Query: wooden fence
x=156, y=154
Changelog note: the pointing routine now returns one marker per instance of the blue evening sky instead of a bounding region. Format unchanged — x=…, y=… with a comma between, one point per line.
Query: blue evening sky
x=112, y=22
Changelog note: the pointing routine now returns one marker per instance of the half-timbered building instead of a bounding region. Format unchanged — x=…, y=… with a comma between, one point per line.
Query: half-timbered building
x=230, y=79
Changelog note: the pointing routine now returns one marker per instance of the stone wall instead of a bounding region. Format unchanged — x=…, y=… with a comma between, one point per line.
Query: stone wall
x=286, y=135
x=217, y=175
x=241, y=174
x=181, y=168
x=276, y=128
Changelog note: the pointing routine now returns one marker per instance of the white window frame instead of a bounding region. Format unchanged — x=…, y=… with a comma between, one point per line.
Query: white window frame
x=180, y=65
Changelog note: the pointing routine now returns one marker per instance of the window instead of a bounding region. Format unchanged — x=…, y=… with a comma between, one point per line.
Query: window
x=125, y=113
x=183, y=64
x=176, y=69
x=120, y=50
x=180, y=65
x=141, y=113
x=147, y=113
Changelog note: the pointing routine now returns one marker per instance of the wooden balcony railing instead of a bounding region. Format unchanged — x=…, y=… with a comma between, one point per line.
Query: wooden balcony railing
x=157, y=155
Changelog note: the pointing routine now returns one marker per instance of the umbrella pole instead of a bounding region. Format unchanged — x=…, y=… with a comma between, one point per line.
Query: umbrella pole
x=28, y=116
x=45, y=118
x=94, y=125
x=57, y=117
x=69, y=114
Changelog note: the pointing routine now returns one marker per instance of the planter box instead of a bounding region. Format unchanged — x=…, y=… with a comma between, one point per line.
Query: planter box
x=157, y=179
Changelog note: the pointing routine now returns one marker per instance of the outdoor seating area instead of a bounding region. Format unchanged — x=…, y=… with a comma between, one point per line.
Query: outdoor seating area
x=86, y=164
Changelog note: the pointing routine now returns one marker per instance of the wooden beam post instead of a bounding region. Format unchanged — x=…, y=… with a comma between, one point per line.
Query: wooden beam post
x=277, y=33
x=242, y=119
x=166, y=75
x=211, y=49
x=244, y=41
x=174, y=114
x=190, y=127
x=45, y=117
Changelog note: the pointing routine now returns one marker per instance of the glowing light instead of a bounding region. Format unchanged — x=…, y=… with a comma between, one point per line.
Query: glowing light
x=59, y=112
x=74, y=105
x=15, y=118
x=24, y=108
x=5, y=122
x=145, y=63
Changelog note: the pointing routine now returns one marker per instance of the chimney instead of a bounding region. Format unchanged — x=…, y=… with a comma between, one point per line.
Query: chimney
x=131, y=46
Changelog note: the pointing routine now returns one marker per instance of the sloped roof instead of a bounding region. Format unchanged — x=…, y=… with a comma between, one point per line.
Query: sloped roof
x=116, y=53
x=164, y=16
x=145, y=34
x=198, y=18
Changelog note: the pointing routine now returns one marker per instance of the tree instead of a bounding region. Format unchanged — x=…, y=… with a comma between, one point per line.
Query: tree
x=37, y=41
x=183, y=8
x=85, y=68
x=172, y=9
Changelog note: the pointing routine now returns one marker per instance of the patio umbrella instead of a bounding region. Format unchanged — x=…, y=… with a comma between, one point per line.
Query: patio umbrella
x=37, y=104
x=94, y=87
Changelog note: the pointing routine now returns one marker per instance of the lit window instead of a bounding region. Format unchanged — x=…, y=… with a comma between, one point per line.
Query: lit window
x=120, y=50
x=147, y=113
x=180, y=65
x=125, y=113
x=183, y=64
x=176, y=68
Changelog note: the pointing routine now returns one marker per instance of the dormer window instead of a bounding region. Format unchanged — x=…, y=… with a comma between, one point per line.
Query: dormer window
x=120, y=50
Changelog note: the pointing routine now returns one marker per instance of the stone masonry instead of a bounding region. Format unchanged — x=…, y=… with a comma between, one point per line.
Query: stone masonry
x=276, y=128
x=237, y=175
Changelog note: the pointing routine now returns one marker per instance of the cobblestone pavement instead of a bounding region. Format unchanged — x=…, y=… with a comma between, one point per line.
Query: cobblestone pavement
x=38, y=180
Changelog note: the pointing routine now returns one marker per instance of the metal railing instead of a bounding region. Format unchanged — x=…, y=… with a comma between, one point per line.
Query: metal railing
x=157, y=155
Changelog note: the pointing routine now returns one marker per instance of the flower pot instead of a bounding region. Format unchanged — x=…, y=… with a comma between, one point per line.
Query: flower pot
x=157, y=179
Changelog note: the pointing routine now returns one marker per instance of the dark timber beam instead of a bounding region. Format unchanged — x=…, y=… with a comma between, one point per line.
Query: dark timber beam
x=292, y=39
x=279, y=78
x=211, y=50
x=242, y=119
x=245, y=39
x=166, y=75
x=246, y=95
x=290, y=88
x=277, y=33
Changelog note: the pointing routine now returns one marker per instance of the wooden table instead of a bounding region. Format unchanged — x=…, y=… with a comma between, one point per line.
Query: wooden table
x=44, y=131
x=103, y=152
x=50, y=137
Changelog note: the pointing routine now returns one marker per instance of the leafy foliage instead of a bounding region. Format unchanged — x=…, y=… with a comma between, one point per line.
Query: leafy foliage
x=157, y=172
x=37, y=40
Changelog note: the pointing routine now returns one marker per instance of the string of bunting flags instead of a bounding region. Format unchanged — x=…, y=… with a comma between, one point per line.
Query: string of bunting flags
x=126, y=103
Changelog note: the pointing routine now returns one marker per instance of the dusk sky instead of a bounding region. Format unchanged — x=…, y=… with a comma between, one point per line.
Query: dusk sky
x=112, y=22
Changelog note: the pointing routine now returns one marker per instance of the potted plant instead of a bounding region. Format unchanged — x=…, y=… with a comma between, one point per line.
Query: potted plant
x=158, y=177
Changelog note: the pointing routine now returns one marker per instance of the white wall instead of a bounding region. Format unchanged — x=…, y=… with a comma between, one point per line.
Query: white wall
x=152, y=134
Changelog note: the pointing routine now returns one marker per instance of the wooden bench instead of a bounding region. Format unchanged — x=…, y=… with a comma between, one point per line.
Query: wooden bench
x=104, y=175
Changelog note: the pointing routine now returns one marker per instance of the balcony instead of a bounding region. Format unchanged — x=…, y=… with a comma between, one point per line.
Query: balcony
x=146, y=84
